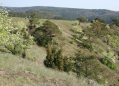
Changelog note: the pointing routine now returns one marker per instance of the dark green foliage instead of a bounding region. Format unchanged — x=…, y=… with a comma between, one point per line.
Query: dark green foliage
x=24, y=54
x=111, y=26
x=54, y=59
x=108, y=63
x=82, y=19
x=40, y=14
x=45, y=33
x=73, y=13
x=18, y=14
x=68, y=65
x=43, y=14
x=50, y=28
x=88, y=66
x=33, y=21
x=116, y=22
x=85, y=65
x=61, y=18
x=90, y=47
x=100, y=20
x=49, y=62
x=59, y=60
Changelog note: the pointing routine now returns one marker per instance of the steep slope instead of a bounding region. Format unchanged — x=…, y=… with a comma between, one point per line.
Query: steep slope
x=15, y=70
x=69, y=29
x=100, y=47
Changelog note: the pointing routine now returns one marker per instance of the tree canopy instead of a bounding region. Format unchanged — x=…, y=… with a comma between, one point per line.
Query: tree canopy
x=82, y=19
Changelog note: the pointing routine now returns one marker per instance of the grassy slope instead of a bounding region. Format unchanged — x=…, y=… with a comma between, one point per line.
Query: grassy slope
x=16, y=71
x=70, y=49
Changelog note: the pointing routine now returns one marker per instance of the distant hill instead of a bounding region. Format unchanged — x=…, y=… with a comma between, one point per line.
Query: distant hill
x=40, y=14
x=73, y=13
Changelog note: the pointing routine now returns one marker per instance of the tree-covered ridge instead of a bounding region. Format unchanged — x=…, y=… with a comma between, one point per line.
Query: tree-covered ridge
x=40, y=14
x=73, y=13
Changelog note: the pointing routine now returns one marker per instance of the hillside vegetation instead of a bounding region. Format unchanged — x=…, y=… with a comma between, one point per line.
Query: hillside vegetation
x=21, y=59
x=71, y=13
x=73, y=53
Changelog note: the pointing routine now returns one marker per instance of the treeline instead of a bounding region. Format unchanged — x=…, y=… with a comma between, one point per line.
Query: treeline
x=73, y=13
x=114, y=21
x=18, y=14
x=40, y=14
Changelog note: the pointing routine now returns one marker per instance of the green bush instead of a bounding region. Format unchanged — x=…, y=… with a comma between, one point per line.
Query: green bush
x=44, y=34
x=104, y=61
x=113, y=44
x=109, y=64
x=93, y=21
x=89, y=47
x=72, y=41
x=55, y=60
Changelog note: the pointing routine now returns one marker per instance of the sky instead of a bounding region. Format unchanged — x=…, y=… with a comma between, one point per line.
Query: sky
x=85, y=4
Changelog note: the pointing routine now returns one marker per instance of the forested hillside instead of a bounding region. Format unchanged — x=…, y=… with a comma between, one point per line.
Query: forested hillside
x=73, y=13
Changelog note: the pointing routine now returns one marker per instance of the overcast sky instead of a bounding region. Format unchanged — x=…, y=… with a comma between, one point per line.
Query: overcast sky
x=86, y=4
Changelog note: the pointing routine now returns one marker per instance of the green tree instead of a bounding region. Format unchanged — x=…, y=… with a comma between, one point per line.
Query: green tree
x=59, y=60
x=44, y=34
x=97, y=27
x=55, y=60
x=68, y=65
x=86, y=65
x=116, y=22
x=49, y=62
x=100, y=20
x=10, y=37
x=33, y=21
x=82, y=19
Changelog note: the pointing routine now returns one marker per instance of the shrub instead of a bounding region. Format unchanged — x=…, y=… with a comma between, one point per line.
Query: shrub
x=12, y=37
x=72, y=41
x=45, y=33
x=19, y=25
x=104, y=61
x=93, y=21
x=82, y=19
x=113, y=44
x=108, y=63
x=55, y=60
x=90, y=47
x=76, y=29
x=68, y=65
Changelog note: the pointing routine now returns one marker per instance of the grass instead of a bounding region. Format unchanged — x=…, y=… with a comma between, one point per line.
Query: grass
x=37, y=74
x=23, y=72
